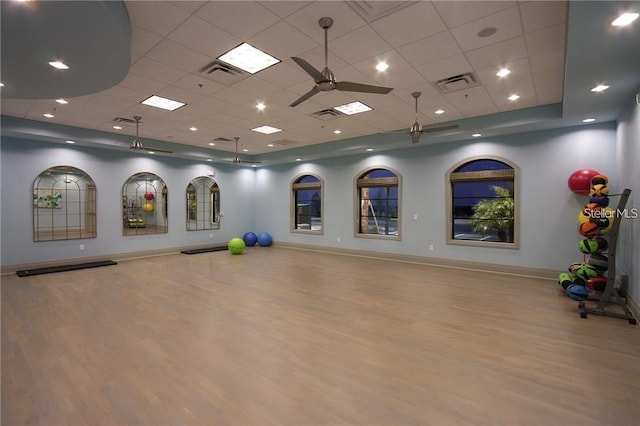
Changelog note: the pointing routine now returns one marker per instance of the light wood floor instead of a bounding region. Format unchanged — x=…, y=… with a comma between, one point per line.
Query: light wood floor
x=283, y=337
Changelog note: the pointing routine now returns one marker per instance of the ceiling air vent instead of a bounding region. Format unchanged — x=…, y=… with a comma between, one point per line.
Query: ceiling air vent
x=222, y=72
x=457, y=82
x=327, y=114
x=124, y=120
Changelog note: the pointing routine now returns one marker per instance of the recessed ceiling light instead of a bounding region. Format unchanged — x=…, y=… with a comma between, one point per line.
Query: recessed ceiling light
x=193, y=129
x=267, y=130
x=254, y=165
x=248, y=58
x=62, y=101
x=476, y=135
x=209, y=159
x=260, y=106
x=382, y=66
x=163, y=103
x=70, y=142
x=369, y=149
x=353, y=108
x=439, y=111
x=588, y=120
x=212, y=144
x=337, y=131
x=117, y=127
x=298, y=159
x=245, y=150
x=48, y=115
x=59, y=65
x=151, y=152
x=503, y=72
x=270, y=145
x=600, y=88
x=514, y=97
x=624, y=19
x=1, y=84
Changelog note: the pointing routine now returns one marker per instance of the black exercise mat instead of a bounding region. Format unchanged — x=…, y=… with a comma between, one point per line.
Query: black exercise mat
x=204, y=250
x=63, y=268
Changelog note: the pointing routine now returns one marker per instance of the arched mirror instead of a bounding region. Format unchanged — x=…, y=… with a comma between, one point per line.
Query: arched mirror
x=144, y=205
x=203, y=204
x=64, y=205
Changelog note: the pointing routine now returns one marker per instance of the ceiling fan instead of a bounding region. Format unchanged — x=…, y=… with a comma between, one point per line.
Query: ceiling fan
x=325, y=80
x=236, y=158
x=416, y=129
x=136, y=145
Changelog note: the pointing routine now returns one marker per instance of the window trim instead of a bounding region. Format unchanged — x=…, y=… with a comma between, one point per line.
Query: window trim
x=292, y=202
x=482, y=175
x=389, y=181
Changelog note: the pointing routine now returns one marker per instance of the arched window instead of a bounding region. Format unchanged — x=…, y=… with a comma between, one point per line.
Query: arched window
x=378, y=203
x=203, y=204
x=64, y=205
x=306, y=204
x=482, y=203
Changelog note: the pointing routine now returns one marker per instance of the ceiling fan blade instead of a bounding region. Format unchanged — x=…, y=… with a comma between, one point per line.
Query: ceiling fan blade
x=158, y=150
x=309, y=69
x=306, y=96
x=348, y=86
x=439, y=129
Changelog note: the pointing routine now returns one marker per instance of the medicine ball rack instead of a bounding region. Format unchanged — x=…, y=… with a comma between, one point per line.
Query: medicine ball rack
x=611, y=294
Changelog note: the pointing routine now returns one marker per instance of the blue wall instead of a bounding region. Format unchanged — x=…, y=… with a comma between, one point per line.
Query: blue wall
x=258, y=199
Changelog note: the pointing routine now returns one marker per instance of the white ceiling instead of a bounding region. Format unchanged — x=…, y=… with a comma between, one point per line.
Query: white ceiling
x=422, y=42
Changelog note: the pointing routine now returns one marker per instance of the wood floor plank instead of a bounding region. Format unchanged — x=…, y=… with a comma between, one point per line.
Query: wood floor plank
x=278, y=336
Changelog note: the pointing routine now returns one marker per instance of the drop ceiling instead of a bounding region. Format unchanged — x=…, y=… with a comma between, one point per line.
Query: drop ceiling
x=122, y=53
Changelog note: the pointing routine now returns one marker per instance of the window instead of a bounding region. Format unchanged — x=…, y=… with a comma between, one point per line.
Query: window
x=482, y=203
x=306, y=204
x=378, y=203
x=203, y=204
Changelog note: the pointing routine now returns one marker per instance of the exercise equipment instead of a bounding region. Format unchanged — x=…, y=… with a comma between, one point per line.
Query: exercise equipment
x=64, y=268
x=611, y=295
x=264, y=239
x=236, y=245
x=580, y=181
x=250, y=239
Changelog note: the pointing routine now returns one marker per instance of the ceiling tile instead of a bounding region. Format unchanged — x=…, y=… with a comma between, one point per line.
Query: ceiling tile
x=518, y=68
x=141, y=42
x=498, y=54
x=358, y=45
x=344, y=18
x=410, y=24
x=243, y=22
x=537, y=15
x=176, y=55
x=156, y=71
x=506, y=23
x=551, y=38
x=201, y=36
x=270, y=41
x=158, y=17
x=547, y=60
x=197, y=84
x=455, y=13
x=255, y=87
x=284, y=8
x=430, y=49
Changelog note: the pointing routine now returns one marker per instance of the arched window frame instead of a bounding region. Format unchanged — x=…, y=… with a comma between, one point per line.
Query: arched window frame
x=298, y=213
x=361, y=181
x=453, y=177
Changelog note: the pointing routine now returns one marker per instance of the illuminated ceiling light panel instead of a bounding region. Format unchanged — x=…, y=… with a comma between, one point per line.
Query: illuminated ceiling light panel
x=248, y=58
x=59, y=65
x=117, y=127
x=588, y=120
x=382, y=66
x=267, y=130
x=337, y=131
x=514, y=97
x=70, y=142
x=600, y=88
x=476, y=135
x=62, y=101
x=503, y=72
x=353, y=108
x=260, y=106
x=624, y=19
x=193, y=129
x=163, y=103
x=49, y=115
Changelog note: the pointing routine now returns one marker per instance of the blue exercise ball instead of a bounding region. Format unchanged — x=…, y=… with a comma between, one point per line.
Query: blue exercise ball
x=264, y=239
x=250, y=239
